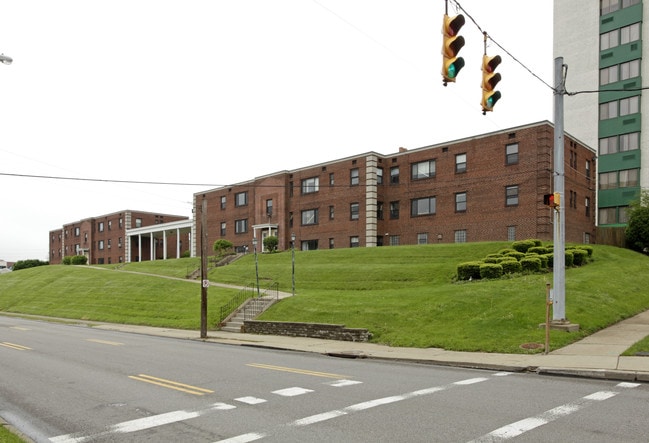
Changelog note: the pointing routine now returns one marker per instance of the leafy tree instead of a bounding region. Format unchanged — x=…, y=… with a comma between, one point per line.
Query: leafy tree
x=637, y=230
x=221, y=246
x=24, y=264
x=270, y=243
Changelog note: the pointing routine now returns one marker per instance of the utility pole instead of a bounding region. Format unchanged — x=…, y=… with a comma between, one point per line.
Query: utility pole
x=559, y=255
x=204, y=280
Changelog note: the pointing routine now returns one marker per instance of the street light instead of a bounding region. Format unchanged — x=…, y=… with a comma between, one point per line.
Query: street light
x=5, y=59
x=293, y=260
x=254, y=245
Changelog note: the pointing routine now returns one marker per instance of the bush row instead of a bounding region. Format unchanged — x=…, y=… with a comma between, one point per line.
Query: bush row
x=75, y=260
x=524, y=256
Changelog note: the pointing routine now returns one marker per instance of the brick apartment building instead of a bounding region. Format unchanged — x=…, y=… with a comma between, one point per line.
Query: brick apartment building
x=482, y=188
x=109, y=238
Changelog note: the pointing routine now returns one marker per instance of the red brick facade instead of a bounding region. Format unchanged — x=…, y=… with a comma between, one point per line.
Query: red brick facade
x=103, y=239
x=487, y=187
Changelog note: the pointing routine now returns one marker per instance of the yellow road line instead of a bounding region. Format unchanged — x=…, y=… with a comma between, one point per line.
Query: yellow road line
x=296, y=371
x=15, y=346
x=105, y=342
x=20, y=328
x=171, y=384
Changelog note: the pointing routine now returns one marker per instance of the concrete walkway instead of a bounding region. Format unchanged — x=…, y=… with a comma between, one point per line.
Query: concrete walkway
x=596, y=356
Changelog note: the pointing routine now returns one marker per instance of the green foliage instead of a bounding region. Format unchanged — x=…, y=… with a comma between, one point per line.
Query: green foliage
x=523, y=245
x=270, y=243
x=26, y=264
x=570, y=258
x=580, y=257
x=221, y=246
x=75, y=260
x=538, y=250
x=469, y=270
x=517, y=255
x=531, y=264
x=587, y=248
x=511, y=266
x=491, y=270
x=637, y=230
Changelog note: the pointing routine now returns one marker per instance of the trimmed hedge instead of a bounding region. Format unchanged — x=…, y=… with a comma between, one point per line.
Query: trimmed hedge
x=468, y=270
x=511, y=267
x=531, y=264
x=523, y=245
x=580, y=257
x=491, y=270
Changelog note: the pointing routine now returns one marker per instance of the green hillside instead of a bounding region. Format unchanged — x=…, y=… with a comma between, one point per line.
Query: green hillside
x=406, y=295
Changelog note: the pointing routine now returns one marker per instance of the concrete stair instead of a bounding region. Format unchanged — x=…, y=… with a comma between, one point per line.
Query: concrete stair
x=250, y=310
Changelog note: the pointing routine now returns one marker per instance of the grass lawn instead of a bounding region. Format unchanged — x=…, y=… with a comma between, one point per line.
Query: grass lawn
x=405, y=296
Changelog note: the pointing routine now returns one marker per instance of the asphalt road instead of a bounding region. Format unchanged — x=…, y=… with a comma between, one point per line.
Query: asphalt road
x=62, y=383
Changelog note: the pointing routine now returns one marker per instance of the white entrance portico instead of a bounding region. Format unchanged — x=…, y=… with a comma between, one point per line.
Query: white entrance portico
x=267, y=230
x=153, y=234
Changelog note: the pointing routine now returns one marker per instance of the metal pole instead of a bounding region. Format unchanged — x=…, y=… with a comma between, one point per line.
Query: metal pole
x=293, y=261
x=254, y=245
x=559, y=259
x=204, y=280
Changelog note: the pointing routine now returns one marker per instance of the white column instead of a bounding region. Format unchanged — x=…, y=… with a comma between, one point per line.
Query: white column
x=177, y=242
x=139, y=247
x=164, y=245
x=152, y=246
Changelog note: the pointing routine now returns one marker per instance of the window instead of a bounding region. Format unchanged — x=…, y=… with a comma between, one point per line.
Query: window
x=511, y=195
x=511, y=154
x=623, y=214
x=423, y=170
x=460, y=163
x=607, y=110
x=310, y=217
x=395, y=240
x=608, y=145
x=77, y=232
x=331, y=179
x=100, y=245
x=353, y=241
x=379, y=210
x=460, y=202
x=394, y=210
x=354, y=209
x=108, y=243
x=587, y=169
x=630, y=141
x=586, y=238
x=354, y=179
x=309, y=245
x=310, y=185
x=379, y=176
x=331, y=212
x=608, y=75
x=110, y=225
x=607, y=216
x=630, y=33
x=119, y=242
x=460, y=236
x=608, y=180
x=241, y=226
x=608, y=6
x=423, y=206
x=331, y=243
x=609, y=40
x=630, y=70
x=241, y=199
x=223, y=201
x=269, y=207
x=629, y=178
x=121, y=222
x=101, y=226
x=422, y=238
x=394, y=175
x=630, y=105
x=587, y=206
x=511, y=233
x=223, y=229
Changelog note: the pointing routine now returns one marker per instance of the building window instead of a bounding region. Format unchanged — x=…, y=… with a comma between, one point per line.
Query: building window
x=630, y=105
x=630, y=33
x=269, y=207
x=108, y=243
x=608, y=6
x=310, y=185
x=354, y=178
x=121, y=223
x=629, y=142
x=588, y=169
x=511, y=195
x=395, y=240
x=423, y=170
x=609, y=40
x=630, y=70
x=241, y=226
x=331, y=212
x=223, y=229
x=100, y=245
x=587, y=206
x=309, y=245
x=422, y=238
x=331, y=179
x=608, y=180
x=110, y=225
x=379, y=210
x=394, y=175
x=607, y=216
x=354, y=241
x=460, y=236
x=310, y=217
x=77, y=232
x=608, y=145
x=119, y=242
x=241, y=199
x=394, y=210
x=331, y=243
x=608, y=75
x=290, y=189
x=354, y=211
x=423, y=206
x=629, y=178
x=623, y=214
x=379, y=176
x=460, y=163
x=511, y=154
x=511, y=233
x=223, y=201
x=586, y=238
x=101, y=226
x=607, y=110
x=460, y=202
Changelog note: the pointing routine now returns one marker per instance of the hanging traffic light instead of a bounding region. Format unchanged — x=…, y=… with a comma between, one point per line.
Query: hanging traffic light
x=552, y=200
x=452, y=43
x=489, y=81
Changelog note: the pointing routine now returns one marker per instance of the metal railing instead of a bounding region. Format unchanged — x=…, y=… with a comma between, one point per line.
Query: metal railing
x=255, y=306
x=247, y=292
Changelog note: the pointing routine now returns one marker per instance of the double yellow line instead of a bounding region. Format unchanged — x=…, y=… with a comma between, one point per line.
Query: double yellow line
x=295, y=371
x=15, y=346
x=170, y=384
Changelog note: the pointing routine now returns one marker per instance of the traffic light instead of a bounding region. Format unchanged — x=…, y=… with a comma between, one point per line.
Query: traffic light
x=553, y=200
x=451, y=46
x=489, y=81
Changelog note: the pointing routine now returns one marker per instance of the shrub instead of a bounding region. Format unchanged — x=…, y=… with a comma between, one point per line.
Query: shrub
x=511, y=266
x=537, y=242
x=270, y=243
x=523, y=245
x=491, y=270
x=550, y=258
x=531, y=264
x=570, y=258
x=545, y=262
x=516, y=255
x=588, y=249
x=25, y=264
x=506, y=251
x=538, y=250
x=221, y=246
x=468, y=270
x=580, y=257
x=492, y=259
x=507, y=258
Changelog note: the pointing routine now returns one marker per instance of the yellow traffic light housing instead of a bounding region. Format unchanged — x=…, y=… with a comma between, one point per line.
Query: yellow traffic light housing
x=490, y=79
x=452, y=43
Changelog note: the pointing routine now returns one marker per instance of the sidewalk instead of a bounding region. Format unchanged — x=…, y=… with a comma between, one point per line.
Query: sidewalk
x=596, y=356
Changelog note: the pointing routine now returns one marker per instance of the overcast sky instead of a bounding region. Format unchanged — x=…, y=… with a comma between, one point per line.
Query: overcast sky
x=214, y=92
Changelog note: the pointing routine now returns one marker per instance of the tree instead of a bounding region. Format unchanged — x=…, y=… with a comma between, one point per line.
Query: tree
x=221, y=246
x=637, y=230
x=270, y=243
x=32, y=263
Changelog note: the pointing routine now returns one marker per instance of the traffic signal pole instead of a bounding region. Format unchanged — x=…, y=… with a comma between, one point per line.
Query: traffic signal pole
x=559, y=255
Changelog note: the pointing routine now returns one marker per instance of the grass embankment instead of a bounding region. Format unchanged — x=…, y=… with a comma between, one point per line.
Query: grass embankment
x=405, y=296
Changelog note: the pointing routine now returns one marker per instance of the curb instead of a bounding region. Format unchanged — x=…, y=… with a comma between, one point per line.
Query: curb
x=600, y=374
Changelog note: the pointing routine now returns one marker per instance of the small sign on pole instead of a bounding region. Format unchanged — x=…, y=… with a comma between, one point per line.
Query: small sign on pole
x=206, y=283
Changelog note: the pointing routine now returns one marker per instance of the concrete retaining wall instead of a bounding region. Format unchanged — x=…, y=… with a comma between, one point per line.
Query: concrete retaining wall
x=312, y=330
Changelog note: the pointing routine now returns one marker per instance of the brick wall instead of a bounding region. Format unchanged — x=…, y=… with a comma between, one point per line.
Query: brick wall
x=312, y=330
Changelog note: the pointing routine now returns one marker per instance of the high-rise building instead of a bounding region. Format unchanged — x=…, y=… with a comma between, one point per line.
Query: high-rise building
x=601, y=42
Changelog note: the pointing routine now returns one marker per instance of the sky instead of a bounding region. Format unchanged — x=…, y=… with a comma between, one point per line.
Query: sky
x=198, y=94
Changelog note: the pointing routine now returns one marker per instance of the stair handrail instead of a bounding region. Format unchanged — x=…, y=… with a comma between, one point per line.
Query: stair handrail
x=248, y=291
